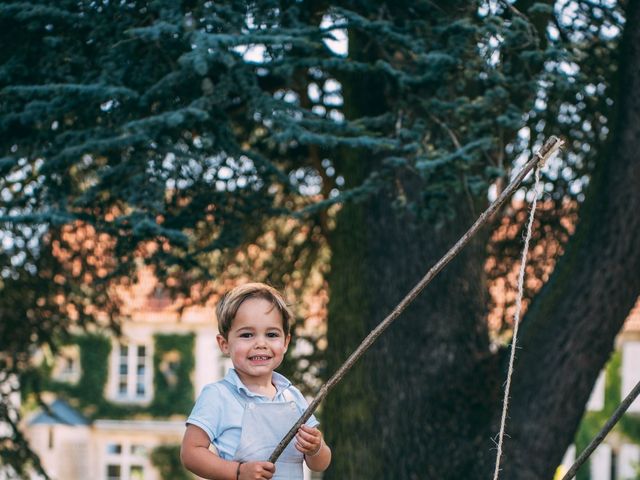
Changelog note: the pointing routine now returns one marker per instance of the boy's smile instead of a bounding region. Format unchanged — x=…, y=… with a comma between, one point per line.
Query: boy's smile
x=260, y=358
x=256, y=343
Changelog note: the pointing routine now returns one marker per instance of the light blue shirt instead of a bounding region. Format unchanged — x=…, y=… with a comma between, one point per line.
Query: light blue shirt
x=219, y=412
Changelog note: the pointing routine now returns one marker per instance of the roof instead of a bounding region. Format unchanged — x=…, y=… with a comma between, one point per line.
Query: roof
x=633, y=321
x=61, y=414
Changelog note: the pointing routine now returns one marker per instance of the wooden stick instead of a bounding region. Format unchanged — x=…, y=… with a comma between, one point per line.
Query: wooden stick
x=597, y=440
x=548, y=149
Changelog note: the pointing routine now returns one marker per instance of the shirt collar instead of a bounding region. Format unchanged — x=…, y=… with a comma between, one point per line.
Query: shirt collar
x=279, y=381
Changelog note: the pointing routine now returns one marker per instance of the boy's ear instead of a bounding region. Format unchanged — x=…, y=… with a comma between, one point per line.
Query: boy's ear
x=286, y=341
x=223, y=344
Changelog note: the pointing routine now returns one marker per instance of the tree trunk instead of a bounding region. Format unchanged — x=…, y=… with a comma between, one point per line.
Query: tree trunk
x=568, y=333
x=425, y=401
x=417, y=405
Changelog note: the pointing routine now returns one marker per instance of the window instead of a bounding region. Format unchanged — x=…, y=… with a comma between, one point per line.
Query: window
x=629, y=461
x=66, y=367
x=123, y=371
x=136, y=472
x=113, y=472
x=126, y=461
x=141, y=371
x=138, y=450
x=114, y=449
x=133, y=382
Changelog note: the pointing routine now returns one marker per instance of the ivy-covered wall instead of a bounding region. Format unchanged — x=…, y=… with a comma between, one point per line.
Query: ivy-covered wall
x=628, y=426
x=173, y=391
x=173, y=364
x=166, y=459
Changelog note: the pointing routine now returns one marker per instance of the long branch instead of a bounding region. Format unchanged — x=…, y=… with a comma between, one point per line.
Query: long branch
x=552, y=145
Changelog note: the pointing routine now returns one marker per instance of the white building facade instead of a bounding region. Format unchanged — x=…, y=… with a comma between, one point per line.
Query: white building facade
x=618, y=456
x=150, y=378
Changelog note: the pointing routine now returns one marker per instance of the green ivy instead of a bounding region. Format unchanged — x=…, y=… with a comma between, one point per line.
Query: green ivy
x=89, y=393
x=94, y=355
x=94, y=362
x=166, y=459
x=173, y=397
x=628, y=426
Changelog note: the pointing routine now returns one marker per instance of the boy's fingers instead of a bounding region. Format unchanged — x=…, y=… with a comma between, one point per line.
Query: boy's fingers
x=309, y=432
x=304, y=443
x=307, y=447
x=308, y=439
x=268, y=471
x=305, y=435
x=309, y=429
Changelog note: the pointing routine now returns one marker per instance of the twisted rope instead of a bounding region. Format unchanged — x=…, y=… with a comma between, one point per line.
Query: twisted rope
x=516, y=321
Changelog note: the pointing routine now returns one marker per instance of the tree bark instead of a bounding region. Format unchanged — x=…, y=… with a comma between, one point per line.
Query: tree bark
x=350, y=409
x=417, y=405
x=425, y=401
x=568, y=333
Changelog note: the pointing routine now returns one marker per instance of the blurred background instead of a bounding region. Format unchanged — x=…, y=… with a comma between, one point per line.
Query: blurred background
x=157, y=153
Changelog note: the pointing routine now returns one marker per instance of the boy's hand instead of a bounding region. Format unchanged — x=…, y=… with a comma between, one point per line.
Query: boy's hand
x=256, y=471
x=309, y=440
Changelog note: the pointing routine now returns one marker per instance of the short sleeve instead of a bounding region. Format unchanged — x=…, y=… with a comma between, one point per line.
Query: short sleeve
x=207, y=412
x=302, y=404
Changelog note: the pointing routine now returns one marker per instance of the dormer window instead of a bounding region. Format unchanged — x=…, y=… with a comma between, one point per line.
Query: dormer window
x=67, y=364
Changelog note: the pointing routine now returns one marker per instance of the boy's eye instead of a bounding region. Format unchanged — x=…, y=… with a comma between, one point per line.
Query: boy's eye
x=273, y=334
x=245, y=335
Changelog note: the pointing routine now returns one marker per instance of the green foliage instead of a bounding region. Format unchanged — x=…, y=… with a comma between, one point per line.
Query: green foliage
x=149, y=121
x=94, y=355
x=173, y=397
x=195, y=126
x=89, y=393
x=191, y=113
x=94, y=361
x=166, y=458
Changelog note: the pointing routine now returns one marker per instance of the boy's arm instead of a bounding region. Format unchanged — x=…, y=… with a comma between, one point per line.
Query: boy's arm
x=321, y=461
x=317, y=454
x=197, y=458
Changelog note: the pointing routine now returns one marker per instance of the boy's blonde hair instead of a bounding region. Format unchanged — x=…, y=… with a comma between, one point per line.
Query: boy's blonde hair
x=230, y=302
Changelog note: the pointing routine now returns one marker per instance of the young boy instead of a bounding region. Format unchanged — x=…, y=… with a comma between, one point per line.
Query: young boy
x=246, y=414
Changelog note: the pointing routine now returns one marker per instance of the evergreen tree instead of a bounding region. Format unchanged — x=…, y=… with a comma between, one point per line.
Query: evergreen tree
x=194, y=124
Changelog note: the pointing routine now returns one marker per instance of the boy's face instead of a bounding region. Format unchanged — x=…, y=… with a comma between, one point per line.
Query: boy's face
x=256, y=341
